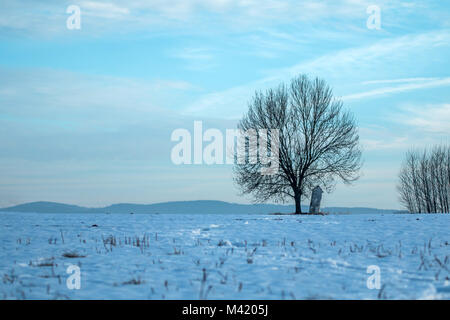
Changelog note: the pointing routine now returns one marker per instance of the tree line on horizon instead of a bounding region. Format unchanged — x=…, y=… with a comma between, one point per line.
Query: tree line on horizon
x=424, y=180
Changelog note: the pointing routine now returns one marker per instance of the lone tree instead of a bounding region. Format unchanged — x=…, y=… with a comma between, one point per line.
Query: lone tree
x=318, y=142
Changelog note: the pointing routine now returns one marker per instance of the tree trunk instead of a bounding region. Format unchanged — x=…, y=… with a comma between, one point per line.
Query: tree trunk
x=298, y=205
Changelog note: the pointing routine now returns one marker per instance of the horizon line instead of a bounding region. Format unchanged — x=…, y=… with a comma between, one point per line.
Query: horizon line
x=199, y=200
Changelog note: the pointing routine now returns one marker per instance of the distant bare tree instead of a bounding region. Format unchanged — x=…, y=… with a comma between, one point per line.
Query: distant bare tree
x=424, y=180
x=318, y=142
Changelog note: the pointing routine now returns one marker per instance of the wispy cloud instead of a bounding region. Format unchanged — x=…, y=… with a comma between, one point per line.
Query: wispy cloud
x=50, y=94
x=196, y=58
x=368, y=60
x=403, y=80
x=104, y=10
x=415, y=85
x=38, y=17
x=370, y=56
x=371, y=144
x=380, y=138
x=426, y=118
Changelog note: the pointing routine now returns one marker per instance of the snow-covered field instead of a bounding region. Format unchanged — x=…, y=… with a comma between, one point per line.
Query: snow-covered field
x=224, y=256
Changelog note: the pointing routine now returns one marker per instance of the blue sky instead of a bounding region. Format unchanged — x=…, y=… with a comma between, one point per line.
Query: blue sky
x=86, y=115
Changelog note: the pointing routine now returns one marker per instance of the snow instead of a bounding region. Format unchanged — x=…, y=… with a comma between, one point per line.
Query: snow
x=240, y=256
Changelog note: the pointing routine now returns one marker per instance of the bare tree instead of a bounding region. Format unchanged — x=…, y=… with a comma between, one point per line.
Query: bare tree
x=424, y=180
x=318, y=142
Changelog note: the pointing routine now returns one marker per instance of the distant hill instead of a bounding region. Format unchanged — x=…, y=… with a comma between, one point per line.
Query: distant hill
x=200, y=207
x=47, y=207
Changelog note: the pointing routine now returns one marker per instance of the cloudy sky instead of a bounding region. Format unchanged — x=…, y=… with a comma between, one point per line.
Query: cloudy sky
x=86, y=115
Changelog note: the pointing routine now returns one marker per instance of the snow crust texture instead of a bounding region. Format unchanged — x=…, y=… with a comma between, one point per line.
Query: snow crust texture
x=176, y=256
